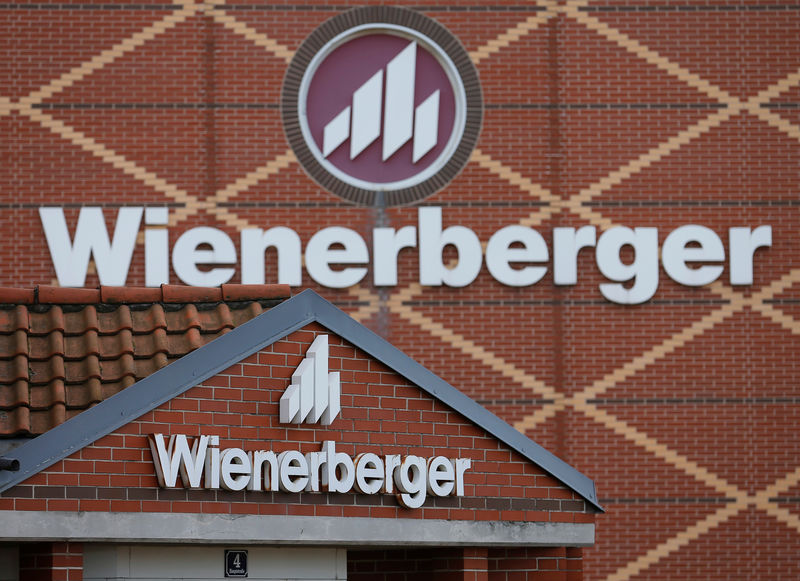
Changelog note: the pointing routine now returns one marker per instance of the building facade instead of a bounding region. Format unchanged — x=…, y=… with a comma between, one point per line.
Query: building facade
x=298, y=445
x=670, y=382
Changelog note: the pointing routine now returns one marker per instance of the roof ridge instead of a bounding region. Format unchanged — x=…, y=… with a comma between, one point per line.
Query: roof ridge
x=166, y=293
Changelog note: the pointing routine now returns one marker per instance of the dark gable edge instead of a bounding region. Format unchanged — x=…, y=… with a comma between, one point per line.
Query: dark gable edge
x=241, y=342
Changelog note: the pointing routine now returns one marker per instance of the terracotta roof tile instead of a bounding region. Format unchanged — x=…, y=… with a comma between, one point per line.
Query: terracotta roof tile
x=16, y=421
x=17, y=296
x=243, y=315
x=145, y=367
x=82, y=395
x=115, y=346
x=14, y=369
x=42, y=323
x=110, y=322
x=14, y=319
x=149, y=319
x=123, y=294
x=43, y=420
x=14, y=395
x=64, y=350
x=67, y=296
x=190, y=294
x=184, y=319
x=79, y=346
x=148, y=344
x=250, y=292
x=216, y=319
x=14, y=343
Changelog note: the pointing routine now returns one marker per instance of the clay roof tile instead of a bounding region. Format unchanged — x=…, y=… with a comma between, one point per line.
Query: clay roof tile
x=45, y=396
x=251, y=311
x=114, y=346
x=190, y=294
x=148, y=344
x=149, y=319
x=46, y=321
x=216, y=319
x=83, y=395
x=115, y=321
x=127, y=295
x=67, y=296
x=17, y=296
x=63, y=350
x=251, y=292
x=16, y=421
x=14, y=319
x=81, y=346
x=14, y=369
x=14, y=343
x=14, y=395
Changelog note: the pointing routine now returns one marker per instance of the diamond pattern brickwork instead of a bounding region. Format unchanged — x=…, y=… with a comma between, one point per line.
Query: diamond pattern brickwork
x=598, y=112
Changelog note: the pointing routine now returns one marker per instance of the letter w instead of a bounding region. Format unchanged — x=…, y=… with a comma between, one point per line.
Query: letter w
x=71, y=259
x=176, y=457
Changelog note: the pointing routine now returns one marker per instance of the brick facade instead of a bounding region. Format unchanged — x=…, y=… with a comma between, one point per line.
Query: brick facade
x=382, y=413
x=684, y=409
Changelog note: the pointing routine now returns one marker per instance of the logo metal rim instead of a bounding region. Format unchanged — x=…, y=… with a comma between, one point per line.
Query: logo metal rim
x=453, y=59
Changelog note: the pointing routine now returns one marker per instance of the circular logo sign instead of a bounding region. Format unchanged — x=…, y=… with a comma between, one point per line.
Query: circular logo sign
x=378, y=111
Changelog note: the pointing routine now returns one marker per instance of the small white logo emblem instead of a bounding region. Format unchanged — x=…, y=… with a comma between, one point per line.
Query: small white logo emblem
x=313, y=396
x=401, y=120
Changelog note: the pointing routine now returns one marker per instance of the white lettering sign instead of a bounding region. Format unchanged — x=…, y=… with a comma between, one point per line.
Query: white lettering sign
x=338, y=257
x=411, y=478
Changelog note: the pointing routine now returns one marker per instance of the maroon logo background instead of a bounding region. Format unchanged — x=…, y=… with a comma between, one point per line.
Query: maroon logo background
x=348, y=67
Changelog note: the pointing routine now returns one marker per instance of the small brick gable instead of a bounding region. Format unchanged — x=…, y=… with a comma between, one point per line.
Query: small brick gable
x=97, y=471
x=382, y=412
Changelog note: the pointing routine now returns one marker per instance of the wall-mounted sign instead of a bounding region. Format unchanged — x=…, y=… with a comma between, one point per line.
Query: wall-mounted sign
x=204, y=465
x=338, y=257
x=313, y=395
x=382, y=100
x=235, y=563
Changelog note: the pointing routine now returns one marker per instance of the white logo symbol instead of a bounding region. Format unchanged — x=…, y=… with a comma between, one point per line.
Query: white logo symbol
x=313, y=395
x=401, y=121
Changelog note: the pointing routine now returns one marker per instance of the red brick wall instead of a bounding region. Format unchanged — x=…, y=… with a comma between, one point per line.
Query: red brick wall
x=684, y=410
x=381, y=413
x=51, y=562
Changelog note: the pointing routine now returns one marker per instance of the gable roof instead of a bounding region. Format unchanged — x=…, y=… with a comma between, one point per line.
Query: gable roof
x=63, y=350
x=254, y=335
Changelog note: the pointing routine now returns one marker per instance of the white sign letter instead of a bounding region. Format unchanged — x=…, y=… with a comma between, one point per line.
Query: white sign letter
x=386, y=245
x=566, y=245
x=156, y=247
x=499, y=254
x=743, y=245
x=176, y=457
x=643, y=271
x=71, y=259
x=675, y=254
x=186, y=256
x=432, y=241
x=320, y=255
x=287, y=244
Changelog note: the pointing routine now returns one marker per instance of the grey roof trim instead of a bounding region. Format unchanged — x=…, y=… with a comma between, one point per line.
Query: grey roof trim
x=279, y=321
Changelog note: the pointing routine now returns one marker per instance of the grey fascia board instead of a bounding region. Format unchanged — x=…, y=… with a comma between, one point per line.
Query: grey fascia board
x=241, y=342
x=105, y=527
